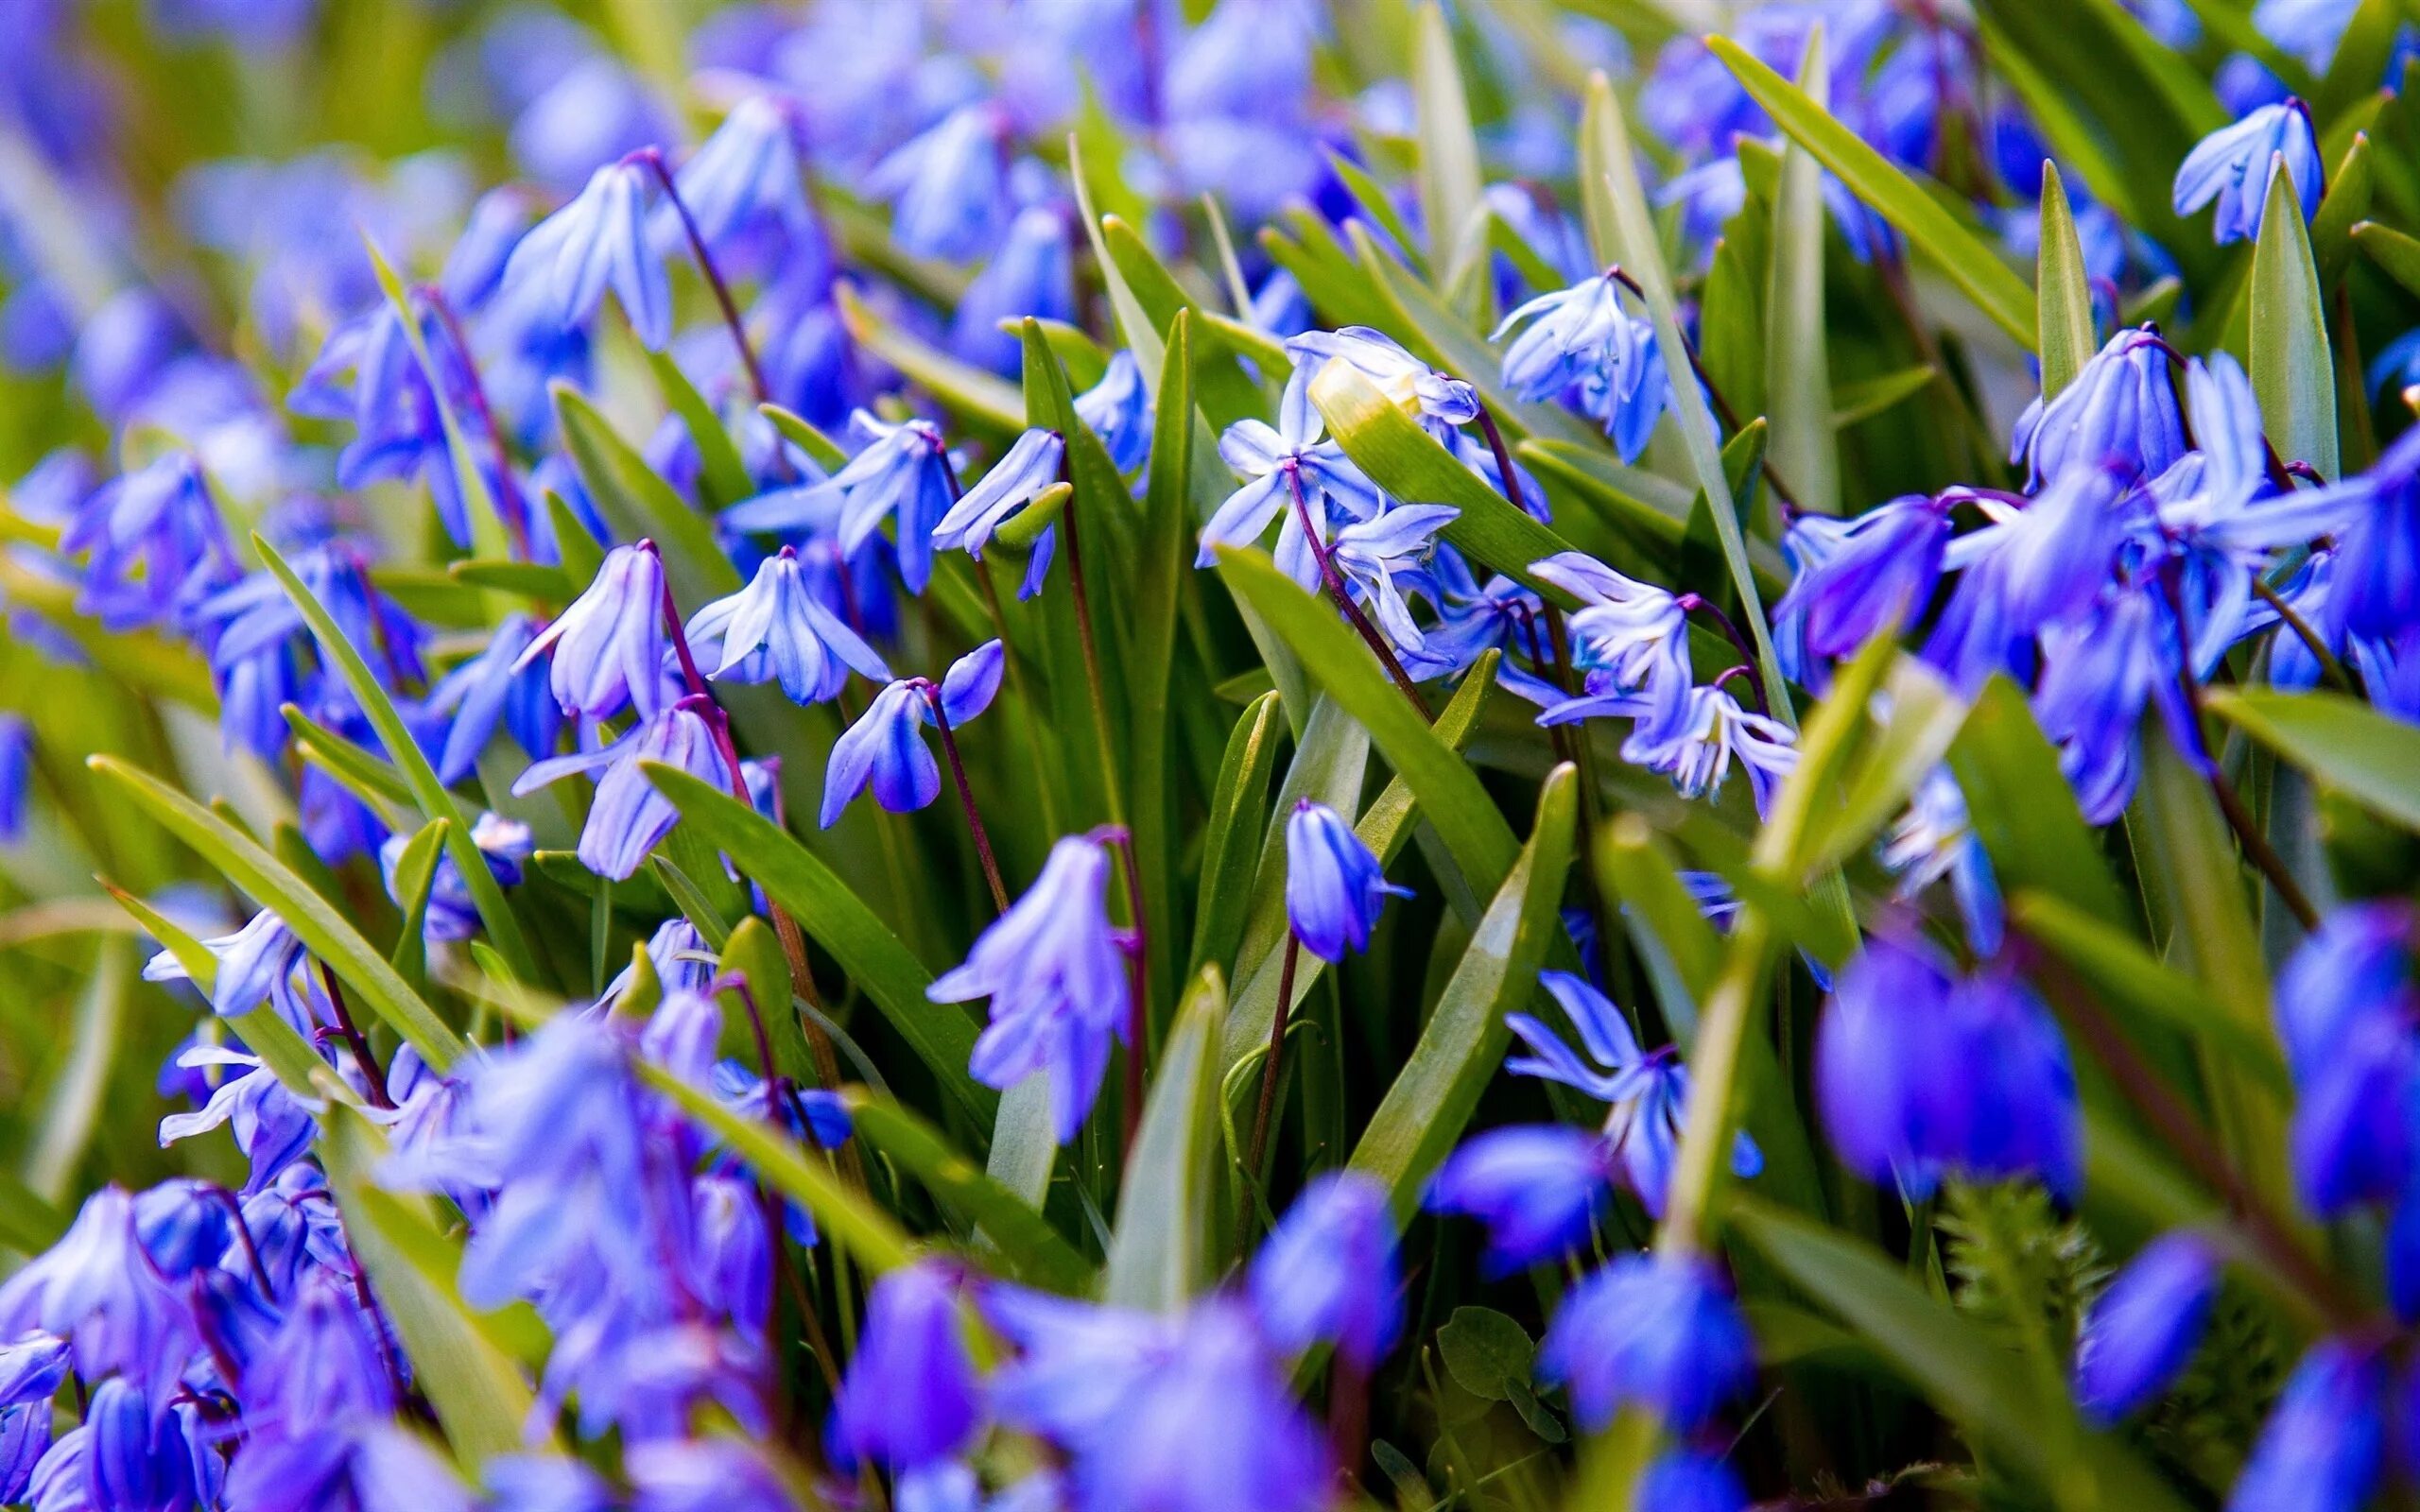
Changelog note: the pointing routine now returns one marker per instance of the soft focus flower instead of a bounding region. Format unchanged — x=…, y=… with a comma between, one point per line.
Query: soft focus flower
x=1334, y=884
x=1650, y=1330
x=910, y=1396
x=2232, y=166
x=608, y=650
x=599, y=241
x=1326, y=1273
x=2324, y=1442
x=2141, y=1332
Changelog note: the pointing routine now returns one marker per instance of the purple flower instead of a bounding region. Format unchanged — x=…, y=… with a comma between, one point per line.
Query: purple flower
x=16, y=774
x=1292, y=474
x=747, y=181
x=600, y=240
x=2325, y=1441
x=155, y=540
x=1055, y=970
x=496, y=687
x=1683, y=1480
x=1650, y=1330
x=1371, y=554
x=609, y=646
x=1022, y=475
x=1033, y=274
x=777, y=629
x=948, y=188
x=1420, y=389
x=325, y=1367
x=1632, y=637
x=1334, y=884
x=2045, y=562
x=1326, y=1274
x=628, y=815
x=2141, y=1332
x=270, y=1125
x=1118, y=410
x=98, y=1289
x=1714, y=733
x=910, y=1396
x=1859, y=579
x=453, y=915
x=886, y=748
x=902, y=475
x=25, y=1439
x=1536, y=1186
x=131, y=1459
x=1583, y=344
x=257, y=962
x=2119, y=413
x=2232, y=166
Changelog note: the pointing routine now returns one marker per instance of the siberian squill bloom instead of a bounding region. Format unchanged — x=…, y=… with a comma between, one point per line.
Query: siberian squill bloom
x=1581, y=342
x=902, y=475
x=1023, y=474
x=259, y=962
x=1326, y=1274
x=2232, y=166
x=2098, y=673
x=2346, y=1007
x=601, y=240
x=270, y=1125
x=1683, y=1480
x=1054, y=968
x=1369, y=554
x=911, y=1397
x=1422, y=391
x=777, y=629
x=886, y=748
x=609, y=648
x=99, y=1290
x=1934, y=839
x=628, y=815
x=748, y=180
x=452, y=916
x=2140, y=1333
x=2374, y=574
x=2324, y=1442
x=948, y=188
x=1280, y=463
x=2119, y=413
x=2036, y=565
x=1535, y=1186
x=1631, y=638
x=1118, y=410
x=1334, y=883
x=1864, y=576
x=1921, y=1074
x=1650, y=1330
x=1033, y=274
x=1505, y=615
x=1714, y=733
x=156, y=544
x=493, y=689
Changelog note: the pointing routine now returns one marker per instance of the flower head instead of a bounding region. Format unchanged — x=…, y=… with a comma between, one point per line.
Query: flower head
x=902, y=475
x=1334, y=884
x=600, y=240
x=2325, y=1441
x=2232, y=166
x=2141, y=1332
x=777, y=629
x=1536, y=1186
x=1022, y=475
x=1118, y=410
x=2119, y=413
x=1422, y=390
x=886, y=748
x=948, y=188
x=628, y=815
x=1326, y=1273
x=1581, y=343
x=910, y=1396
x=609, y=646
x=1652, y=1330
x=1292, y=473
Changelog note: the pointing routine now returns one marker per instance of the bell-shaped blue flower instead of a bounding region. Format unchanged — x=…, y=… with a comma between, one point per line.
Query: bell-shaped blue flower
x=1326, y=1274
x=1334, y=884
x=1859, y=579
x=1581, y=344
x=2231, y=166
x=270, y=1125
x=494, y=688
x=1535, y=1186
x=1290, y=473
x=1656, y=1331
x=1420, y=389
x=1118, y=410
x=600, y=240
x=1683, y=1480
x=155, y=540
x=1022, y=475
x=1054, y=968
x=1714, y=734
x=2141, y=1332
x=2324, y=1442
x=628, y=817
x=886, y=748
x=902, y=475
x=777, y=629
x=747, y=181
x=2119, y=413
x=134, y=1458
x=1033, y=274
x=948, y=188
x=1635, y=634
x=609, y=648
x=2045, y=562
x=2098, y=673
x=911, y=1397
x=98, y=1289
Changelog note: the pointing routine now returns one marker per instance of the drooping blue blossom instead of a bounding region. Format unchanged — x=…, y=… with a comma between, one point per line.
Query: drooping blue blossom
x=97, y=1289
x=1656, y=1331
x=910, y=1396
x=2139, y=1333
x=1030, y=467
x=1581, y=344
x=1326, y=1274
x=1631, y=639
x=745, y=186
x=1857, y=579
x=156, y=544
x=2373, y=585
x=270, y=1125
x=902, y=475
x=2036, y=565
x=260, y=962
x=948, y=188
x=628, y=817
x=2232, y=166
x=2119, y=413
x=1714, y=734
x=1506, y=615
x=885, y=748
x=1118, y=410
x=1033, y=274
x=777, y=629
x=2099, y=674
x=607, y=651
x=1379, y=556
x=599, y=241
x=1683, y=1480
x=452, y=916
x=2324, y=1442
x=1420, y=389
x=1054, y=968
x=1334, y=883
x=1536, y=1186
x=495, y=688
x=127, y=1455
x=16, y=775
x=1291, y=472
x=1935, y=839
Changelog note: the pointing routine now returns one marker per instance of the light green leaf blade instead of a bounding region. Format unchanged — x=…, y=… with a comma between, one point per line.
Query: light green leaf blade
x=1010, y=1224
x=2340, y=741
x=2063, y=289
x=1449, y=179
x=1798, y=379
x=1157, y=1257
x=2291, y=372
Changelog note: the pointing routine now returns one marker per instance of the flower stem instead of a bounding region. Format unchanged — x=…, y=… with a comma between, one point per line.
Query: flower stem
x=966, y=800
x=517, y=508
x=1689, y=602
x=1334, y=582
x=372, y=1075
x=2336, y=671
x=714, y=277
x=1016, y=667
x=1139, y=1018
x=1513, y=488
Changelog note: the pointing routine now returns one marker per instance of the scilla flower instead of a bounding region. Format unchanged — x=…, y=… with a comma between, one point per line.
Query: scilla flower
x=1334, y=884
x=1028, y=470
x=628, y=815
x=1118, y=410
x=1055, y=970
x=1371, y=554
x=1536, y=1186
x=1858, y=578
x=948, y=188
x=597, y=241
x=1422, y=390
x=1292, y=474
x=776, y=630
x=1714, y=732
x=1650, y=1330
x=2324, y=1442
x=886, y=748
x=1631, y=637
x=1326, y=1274
x=609, y=646
x=2119, y=412
x=910, y=1396
x=901, y=475
x=2232, y=166
x=2141, y=1332
x=1582, y=343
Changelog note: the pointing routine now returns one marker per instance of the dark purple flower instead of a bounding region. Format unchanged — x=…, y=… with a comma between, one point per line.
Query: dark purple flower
x=1859, y=579
x=1650, y=1330
x=102, y=1291
x=910, y=1396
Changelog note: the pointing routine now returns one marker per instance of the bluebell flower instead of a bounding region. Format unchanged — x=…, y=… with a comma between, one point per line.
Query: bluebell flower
x=1536, y=1186
x=255, y=614
x=1334, y=883
x=155, y=540
x=948, y=188
x=680, y=1474
x=99, y=1290
x=1683, y=1480
x=628, y=817
x=2045, y=562
x=259, y=962
x=1645, y=1093
x=2098, y=673
x=2356, y=967
x=1934, y=839
x=777, y=629
x=2309, y=30
x=1505, y=615
x=25, y=1441
x=747, y=183
x=16, y=775
x=1714, y=734
x=270, y=1125
x=1920, y=1074
x=2324, y=1442
x=902, y=475
x=608, y=650
x=910, y=1396
x=1581, y=342
x=1859, y=578
x=132, y=1456
x=1054, y=968
x=2374, y=588
x=2139, y=1333
x=2119, y=413
x=1118, y=410
x=2232, y=166
x=1656, y=1331
x=1420, y=389
x=1023, y=473
x=886, y=748
x=1291, y=472
x=600, y=240
x=1033, y=274
x=1370, y=554
x=453, y=916
x=1632, y=637
x=1326, y=1273
x=492, y=689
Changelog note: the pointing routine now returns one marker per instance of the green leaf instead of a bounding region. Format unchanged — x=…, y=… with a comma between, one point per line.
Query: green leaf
x=415, y=875
x=1227, y=393
x=582, y=554
x=1450, y=180
x=1798, y=381
x=320, y=925
x=470, y=479
x=1010, y=1224
x=637, y=502
x=882, y=968
x=2065, y=291
x=976, y=397
x=2350, y=190
x=800, y=432
x=1133, y=322
x=1965, y=1371
x=1487, y=1354
x=480, y=1397
x=1164, y=544
x=1661, y=916
x=2291, y=372
x=1904, y=748
x=2396, y=255
x=2341, y=741
x=1858, y=401
x=1965, y=258
x=1422, y=1113
x=1157, y=1258
x=723, y=473
x=1238, y=811
x=752, y=953
x=403, y=748
x=71, y=1103
x=2023, y=811
x=365, y=774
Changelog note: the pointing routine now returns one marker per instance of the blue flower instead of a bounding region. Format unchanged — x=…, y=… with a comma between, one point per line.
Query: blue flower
x=1582, y=343
x=257, y=962
x=1055, y=970
x=453, y=916
x=1633, y=638
x=132, y=1456
x=1683, y=1480
x=1370, y=554
x=1934, y=839
x=910, y=1396
x=493, y=688
x=948, y=188
x=1023, y=473
x=1858, y=578
x=1334, y=883
x=2373, y=591
x=1714, y=733
x=2325, y=1441
x=1326, y=1274
x=2141, y=1332
x=1118, y=410
x=1292, y=474
x=2045, y=562
x=1420, y=389
x=1033, y=274
x=2232, y=166
x=628, y=815
x=1536, y=1186
x=270, y=1125
x=747, y=181
x=156, y=544
x=777, y=629
x=2355, y=969
x=99, y=1290
x=609, y=648
x=1645, y=1093
x=600, y=240
x=2119, y=413
x=886, y=747
x=2099, y=672
x=16, y=775
x=902, y=475
x=1648, y=1331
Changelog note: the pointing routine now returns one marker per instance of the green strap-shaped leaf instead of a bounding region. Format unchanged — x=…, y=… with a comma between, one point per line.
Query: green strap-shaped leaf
x=1238, y=811
x=1450, y=181
x=1010, y=1224
x=2291, y=372
x=2396, y=255
x=1967, y=260
x=71, y=1103
x=1156, y=1250
x=800, y=432
x=402, y=748
x=415, y=877
x=2350, y=190
x=638, y=503
x=723, y=469
x=1422, y=1115
x=320, y=925
x=2023, y=810
x=1798, y=376
x=976, y=397
x=1133, y=321
x=2063, y=288
x=882, y=968
x=2342, y=742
